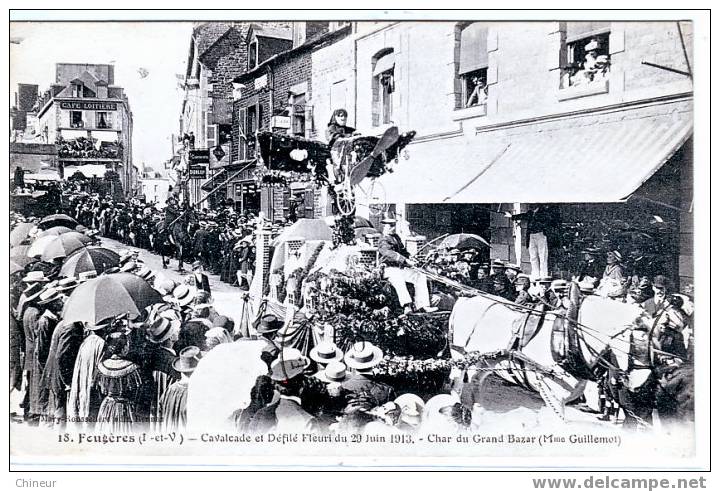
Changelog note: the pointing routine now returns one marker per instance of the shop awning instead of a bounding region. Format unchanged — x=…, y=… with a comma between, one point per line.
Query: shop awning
x=211, y=183
x=433, y=171
x=588, y=162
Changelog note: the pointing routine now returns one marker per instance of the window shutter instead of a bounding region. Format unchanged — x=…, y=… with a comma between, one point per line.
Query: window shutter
x=579, y=30
x=242, y=135
x=309, y=203
x=473, y=48
x=211, y=136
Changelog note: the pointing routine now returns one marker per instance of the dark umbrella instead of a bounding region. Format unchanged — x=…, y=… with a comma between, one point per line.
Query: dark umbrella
x=96, y=259
x=20, y=233
x=57, y=220
x=360, y=222
x=64, y=245
x=55, y=231
x=463, y=241
x=109, y=296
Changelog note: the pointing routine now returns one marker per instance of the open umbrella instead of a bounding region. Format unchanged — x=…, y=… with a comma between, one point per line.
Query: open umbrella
x=98, y=259
x=64, y=245
x=463, y=241
x=20, y=233
x=59, y=219
x=221, y=384
x=19, y=255
x=55, y=231
x=38, y=246
x=109, y=296
x=359, y=222
x=306, y=229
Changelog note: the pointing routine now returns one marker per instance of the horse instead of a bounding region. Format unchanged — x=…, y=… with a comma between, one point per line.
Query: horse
x=555, y=353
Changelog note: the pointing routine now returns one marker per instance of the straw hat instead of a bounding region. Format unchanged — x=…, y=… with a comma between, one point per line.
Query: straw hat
x=86, y=275
x=334, y=372
x=411, y=407
x=326, y=352
x=162, y=329
x=183, y=295
x=35, y=277
x=289, y=364
x=145, y=273
x=188, y=360
x=363, y=355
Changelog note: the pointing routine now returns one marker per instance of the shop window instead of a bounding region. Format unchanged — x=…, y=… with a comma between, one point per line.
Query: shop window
x=587, y=54
x=76, y=120
x=473, y=65
x=383, y=85
x=102, y=120
x=297, y=115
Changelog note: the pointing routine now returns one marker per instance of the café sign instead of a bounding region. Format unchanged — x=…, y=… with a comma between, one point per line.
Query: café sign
x=88, y=105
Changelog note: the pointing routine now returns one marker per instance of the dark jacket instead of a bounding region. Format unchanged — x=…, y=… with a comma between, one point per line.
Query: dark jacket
x=392, y=251
x=360, y=383
x=335, y=131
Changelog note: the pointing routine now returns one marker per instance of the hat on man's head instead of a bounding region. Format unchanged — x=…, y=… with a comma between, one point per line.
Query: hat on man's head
x=269, y=324
x=559, y=285
x=145, y=273
x=183, y=295
x=161, y=329
x=388, y=219
x=128, y=267
x=86, y=275
x=188, y=359
x=325, y=352
x=661, y=281
x=35, y=277
x=411, y=407
x=334, y=372
x=289, y=364
x=513, y=267
x=544, y=280
x=454, y=251
x=363, y=355
x=33, y=291
x=498, y=264
x=48, y=295
x=66, y=284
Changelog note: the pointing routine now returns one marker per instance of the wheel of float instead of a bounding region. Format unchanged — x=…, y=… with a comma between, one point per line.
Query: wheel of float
x=345, y=202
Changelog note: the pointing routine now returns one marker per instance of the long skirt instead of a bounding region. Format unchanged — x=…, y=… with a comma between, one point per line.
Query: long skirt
x=116, y=415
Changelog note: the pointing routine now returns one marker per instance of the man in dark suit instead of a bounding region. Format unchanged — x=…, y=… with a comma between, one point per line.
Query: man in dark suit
x=362, y=357
x=287, y=372
x=659, y=300
x=397, y=270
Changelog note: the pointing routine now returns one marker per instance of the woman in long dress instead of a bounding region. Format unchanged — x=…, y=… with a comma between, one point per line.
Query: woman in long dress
x=173, y=405
x=119, y=381
x=83, y=400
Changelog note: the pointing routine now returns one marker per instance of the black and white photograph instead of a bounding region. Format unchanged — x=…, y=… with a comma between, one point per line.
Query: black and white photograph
x=439, y=238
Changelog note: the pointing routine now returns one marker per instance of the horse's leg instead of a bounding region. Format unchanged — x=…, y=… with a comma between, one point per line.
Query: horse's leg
x=179, y=250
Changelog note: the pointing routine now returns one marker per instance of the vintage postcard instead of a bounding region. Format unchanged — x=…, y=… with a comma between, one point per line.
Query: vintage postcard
x=431, y=240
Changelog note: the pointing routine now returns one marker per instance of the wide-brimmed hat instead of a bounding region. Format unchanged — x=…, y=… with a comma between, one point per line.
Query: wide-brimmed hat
x=513, y=267
x=289, y=364
x=269, y=324
x=363, y=355
x=145, y=273
x=48, y=295
x=545, y=280
x=615, y=254
x=66, y=284
x=497, y=263
x=411, y=407
x=188, y=359
x=196, y=265
x=32, y=292
x=86, y=275
x=559, y=285
x=35, y=277
x=334, y=372
x=326, y=352
x=183, y=295
x=161, y=329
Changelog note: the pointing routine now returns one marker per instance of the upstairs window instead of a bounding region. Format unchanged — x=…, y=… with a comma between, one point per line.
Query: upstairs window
x=297, y=114
x=252, y=55
x=76, y=119
x=473, y=65
x=77, y=90
x=587, y=53
x=102, y=120
x=383, y=85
